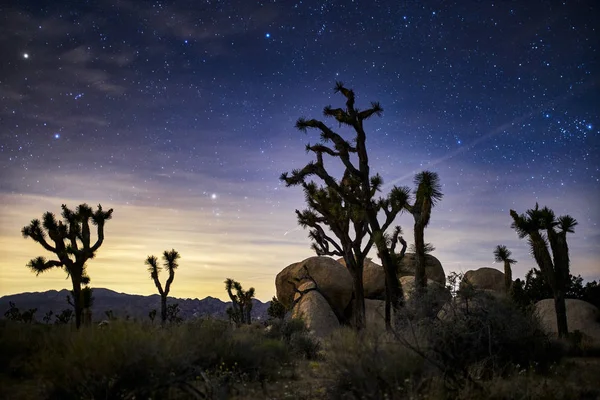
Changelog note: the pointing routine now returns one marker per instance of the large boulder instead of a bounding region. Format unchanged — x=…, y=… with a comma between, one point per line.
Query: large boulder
x=581, y=316
x=433, y=268
x=375, y=314
x=488, y=279
x=316, y=313
x=373, y=279
x=332, y=279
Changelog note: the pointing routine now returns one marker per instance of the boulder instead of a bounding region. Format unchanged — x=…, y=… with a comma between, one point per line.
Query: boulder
x=375, y=314
x=433, y=268
x=373, y=279
x=581, y=316
x=316, y=313
x=332, y=279
x=488, y=279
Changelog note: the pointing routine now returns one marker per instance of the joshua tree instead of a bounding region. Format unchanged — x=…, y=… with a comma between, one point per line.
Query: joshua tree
x=48, y=317
x=542, y=229
x=241, y=302
x=427, y=194
x=349, y=204
x=170, y=263
x=72, y=244
x=502, y=254
x=276, y=310
x=64, y=317
x=87, y=301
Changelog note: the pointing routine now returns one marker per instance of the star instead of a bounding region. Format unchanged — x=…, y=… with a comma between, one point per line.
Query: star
x=25, y=56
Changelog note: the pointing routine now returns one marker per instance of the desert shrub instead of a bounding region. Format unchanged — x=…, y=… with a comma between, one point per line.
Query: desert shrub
x=18, y=344
x=478, y=337
x=293, y=332
x=128, y=359
x=563, y=382
x=371, y=365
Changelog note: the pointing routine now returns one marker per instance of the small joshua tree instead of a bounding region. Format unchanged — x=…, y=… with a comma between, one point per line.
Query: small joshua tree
x=48, y=317
x=170, y=263
x=542, y=228
x=502, y=254
x=276, y=310
x=240, y=311
x=427, y=194
x=64, y=317
x=72, y=245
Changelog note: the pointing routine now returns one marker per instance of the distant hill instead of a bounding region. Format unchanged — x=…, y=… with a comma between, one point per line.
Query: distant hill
x=123, y=304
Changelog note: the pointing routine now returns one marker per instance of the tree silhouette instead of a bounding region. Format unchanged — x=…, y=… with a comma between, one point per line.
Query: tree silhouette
x=87, y=301
x=427, y=194
x=170, y=263
x=276, y=310
x=240, y=311
x=72, y=244
x=543, y=229
x=502, y=254
x=347, y=207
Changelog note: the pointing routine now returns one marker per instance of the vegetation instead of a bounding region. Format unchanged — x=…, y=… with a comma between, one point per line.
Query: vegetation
x=170, y=263
x=276, y=310
x=535, y=288
x=240, y=311
x=543, y=228
x=427, y=194
x=14, y=314
x=502, y=254
x=72, y=245
x=348, y=207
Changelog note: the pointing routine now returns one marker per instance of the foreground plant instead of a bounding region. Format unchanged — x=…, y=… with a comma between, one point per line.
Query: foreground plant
x=347, y=207
x=170, y=263
x=543, y=228
x=72, y=246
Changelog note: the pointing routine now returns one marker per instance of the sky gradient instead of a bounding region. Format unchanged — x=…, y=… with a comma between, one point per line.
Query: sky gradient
x=180, y=116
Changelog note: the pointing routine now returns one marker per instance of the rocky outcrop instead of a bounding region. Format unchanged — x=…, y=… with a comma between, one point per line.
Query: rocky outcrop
x=373, y=279
x=488, y=279
x=436, y=293
x=375, y=314
x=581, y=316
x=332, y=279
x=316, y=313
x=433, y=268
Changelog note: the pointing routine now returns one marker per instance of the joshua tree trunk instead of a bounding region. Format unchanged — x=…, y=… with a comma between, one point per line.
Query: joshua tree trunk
x=163, y=308
x=358, y=308
x=561, y=313
x=77, y=300
x=420, y=276
x=507, y=276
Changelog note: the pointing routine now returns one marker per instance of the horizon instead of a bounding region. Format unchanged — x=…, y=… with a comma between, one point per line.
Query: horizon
x=180, y=116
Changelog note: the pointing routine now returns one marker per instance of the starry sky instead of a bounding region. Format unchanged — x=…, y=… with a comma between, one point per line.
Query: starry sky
x=180, y=116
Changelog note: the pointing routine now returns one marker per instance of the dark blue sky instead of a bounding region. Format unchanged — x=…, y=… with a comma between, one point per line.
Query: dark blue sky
x=190, y=106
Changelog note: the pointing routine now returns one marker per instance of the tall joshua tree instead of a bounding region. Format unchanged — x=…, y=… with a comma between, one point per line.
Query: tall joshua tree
x=240, y=311
x=542, y=228
x=72, y=245
x=502, y=254
x=348, y=207
x=427, y=194
x=170, y=263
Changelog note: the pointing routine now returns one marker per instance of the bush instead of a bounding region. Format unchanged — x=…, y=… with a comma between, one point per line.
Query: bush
x=478, y=337
x=294, y=333
x=371, y=365
x=133, y=360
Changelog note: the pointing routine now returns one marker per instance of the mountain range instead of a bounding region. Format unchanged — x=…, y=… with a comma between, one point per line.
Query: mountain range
x=123, y=305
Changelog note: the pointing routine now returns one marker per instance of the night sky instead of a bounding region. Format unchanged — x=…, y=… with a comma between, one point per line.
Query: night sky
x=180, y=116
